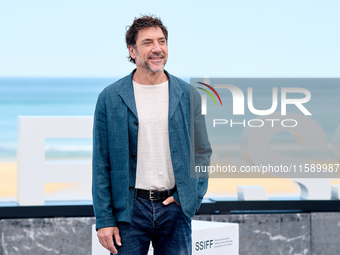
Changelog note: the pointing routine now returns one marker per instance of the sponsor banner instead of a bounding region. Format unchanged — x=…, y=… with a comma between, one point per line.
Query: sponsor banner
x=208, y=238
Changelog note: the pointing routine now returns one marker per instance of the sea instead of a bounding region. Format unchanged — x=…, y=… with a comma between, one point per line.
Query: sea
x=46, y=97
x=77, y=97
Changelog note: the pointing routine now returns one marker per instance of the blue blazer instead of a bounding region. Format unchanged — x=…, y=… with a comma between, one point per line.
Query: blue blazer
x=115, y=135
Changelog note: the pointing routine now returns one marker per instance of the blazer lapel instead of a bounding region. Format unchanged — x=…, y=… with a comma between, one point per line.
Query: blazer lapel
x=127, y=94
x=175, y=94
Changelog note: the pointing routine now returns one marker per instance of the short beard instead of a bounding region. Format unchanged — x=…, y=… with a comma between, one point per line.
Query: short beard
x=147, y=65
x=153, y=70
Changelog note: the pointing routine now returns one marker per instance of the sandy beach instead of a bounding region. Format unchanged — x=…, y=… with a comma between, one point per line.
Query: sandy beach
x=217, y=186
x=8, y=182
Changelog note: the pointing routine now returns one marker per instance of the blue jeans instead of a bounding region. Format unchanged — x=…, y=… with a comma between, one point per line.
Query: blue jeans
x=166, y=226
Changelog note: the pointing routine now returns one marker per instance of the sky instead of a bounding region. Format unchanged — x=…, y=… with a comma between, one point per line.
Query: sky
x=230, y=38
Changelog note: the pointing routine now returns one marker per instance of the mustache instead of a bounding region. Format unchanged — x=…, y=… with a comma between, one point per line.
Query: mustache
x=157, y=55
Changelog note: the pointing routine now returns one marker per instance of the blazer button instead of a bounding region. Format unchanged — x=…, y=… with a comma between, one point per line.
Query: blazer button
x=133, y=155
x=135, y=123
x=131, y=188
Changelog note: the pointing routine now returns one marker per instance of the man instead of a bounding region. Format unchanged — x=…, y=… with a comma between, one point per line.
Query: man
x=149, y=134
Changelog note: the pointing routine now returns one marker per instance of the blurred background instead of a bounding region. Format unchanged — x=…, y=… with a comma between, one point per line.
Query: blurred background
x=56, y=57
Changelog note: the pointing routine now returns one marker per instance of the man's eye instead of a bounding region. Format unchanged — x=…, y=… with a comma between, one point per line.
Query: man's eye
x=147, y=43
x=162, y=41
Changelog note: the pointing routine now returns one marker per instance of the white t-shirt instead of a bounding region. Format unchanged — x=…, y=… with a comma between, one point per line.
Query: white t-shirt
x=154, y=166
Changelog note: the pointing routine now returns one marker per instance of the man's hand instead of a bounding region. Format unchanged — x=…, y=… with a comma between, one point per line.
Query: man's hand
x=105, y=236
x=169, y=200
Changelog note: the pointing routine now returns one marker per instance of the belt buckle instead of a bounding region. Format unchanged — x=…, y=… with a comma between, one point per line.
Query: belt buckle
x=151, y=195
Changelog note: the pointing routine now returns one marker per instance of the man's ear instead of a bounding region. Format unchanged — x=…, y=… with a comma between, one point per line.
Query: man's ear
x=132, y=51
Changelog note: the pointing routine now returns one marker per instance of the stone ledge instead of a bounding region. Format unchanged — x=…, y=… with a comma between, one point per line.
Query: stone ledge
x=325, y=229
x=67, y=236
x=290, y=233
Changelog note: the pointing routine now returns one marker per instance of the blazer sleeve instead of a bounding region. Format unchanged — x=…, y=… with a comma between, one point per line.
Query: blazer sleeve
x=202, y=148
x=101, y=186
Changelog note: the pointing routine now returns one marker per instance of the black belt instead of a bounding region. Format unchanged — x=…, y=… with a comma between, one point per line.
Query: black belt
x=155, y=195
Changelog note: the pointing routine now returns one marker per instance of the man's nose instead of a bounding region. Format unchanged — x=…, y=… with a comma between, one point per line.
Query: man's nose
x=156, y=47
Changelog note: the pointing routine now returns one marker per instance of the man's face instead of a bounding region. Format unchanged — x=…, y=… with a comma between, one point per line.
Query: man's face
x=151, y=50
